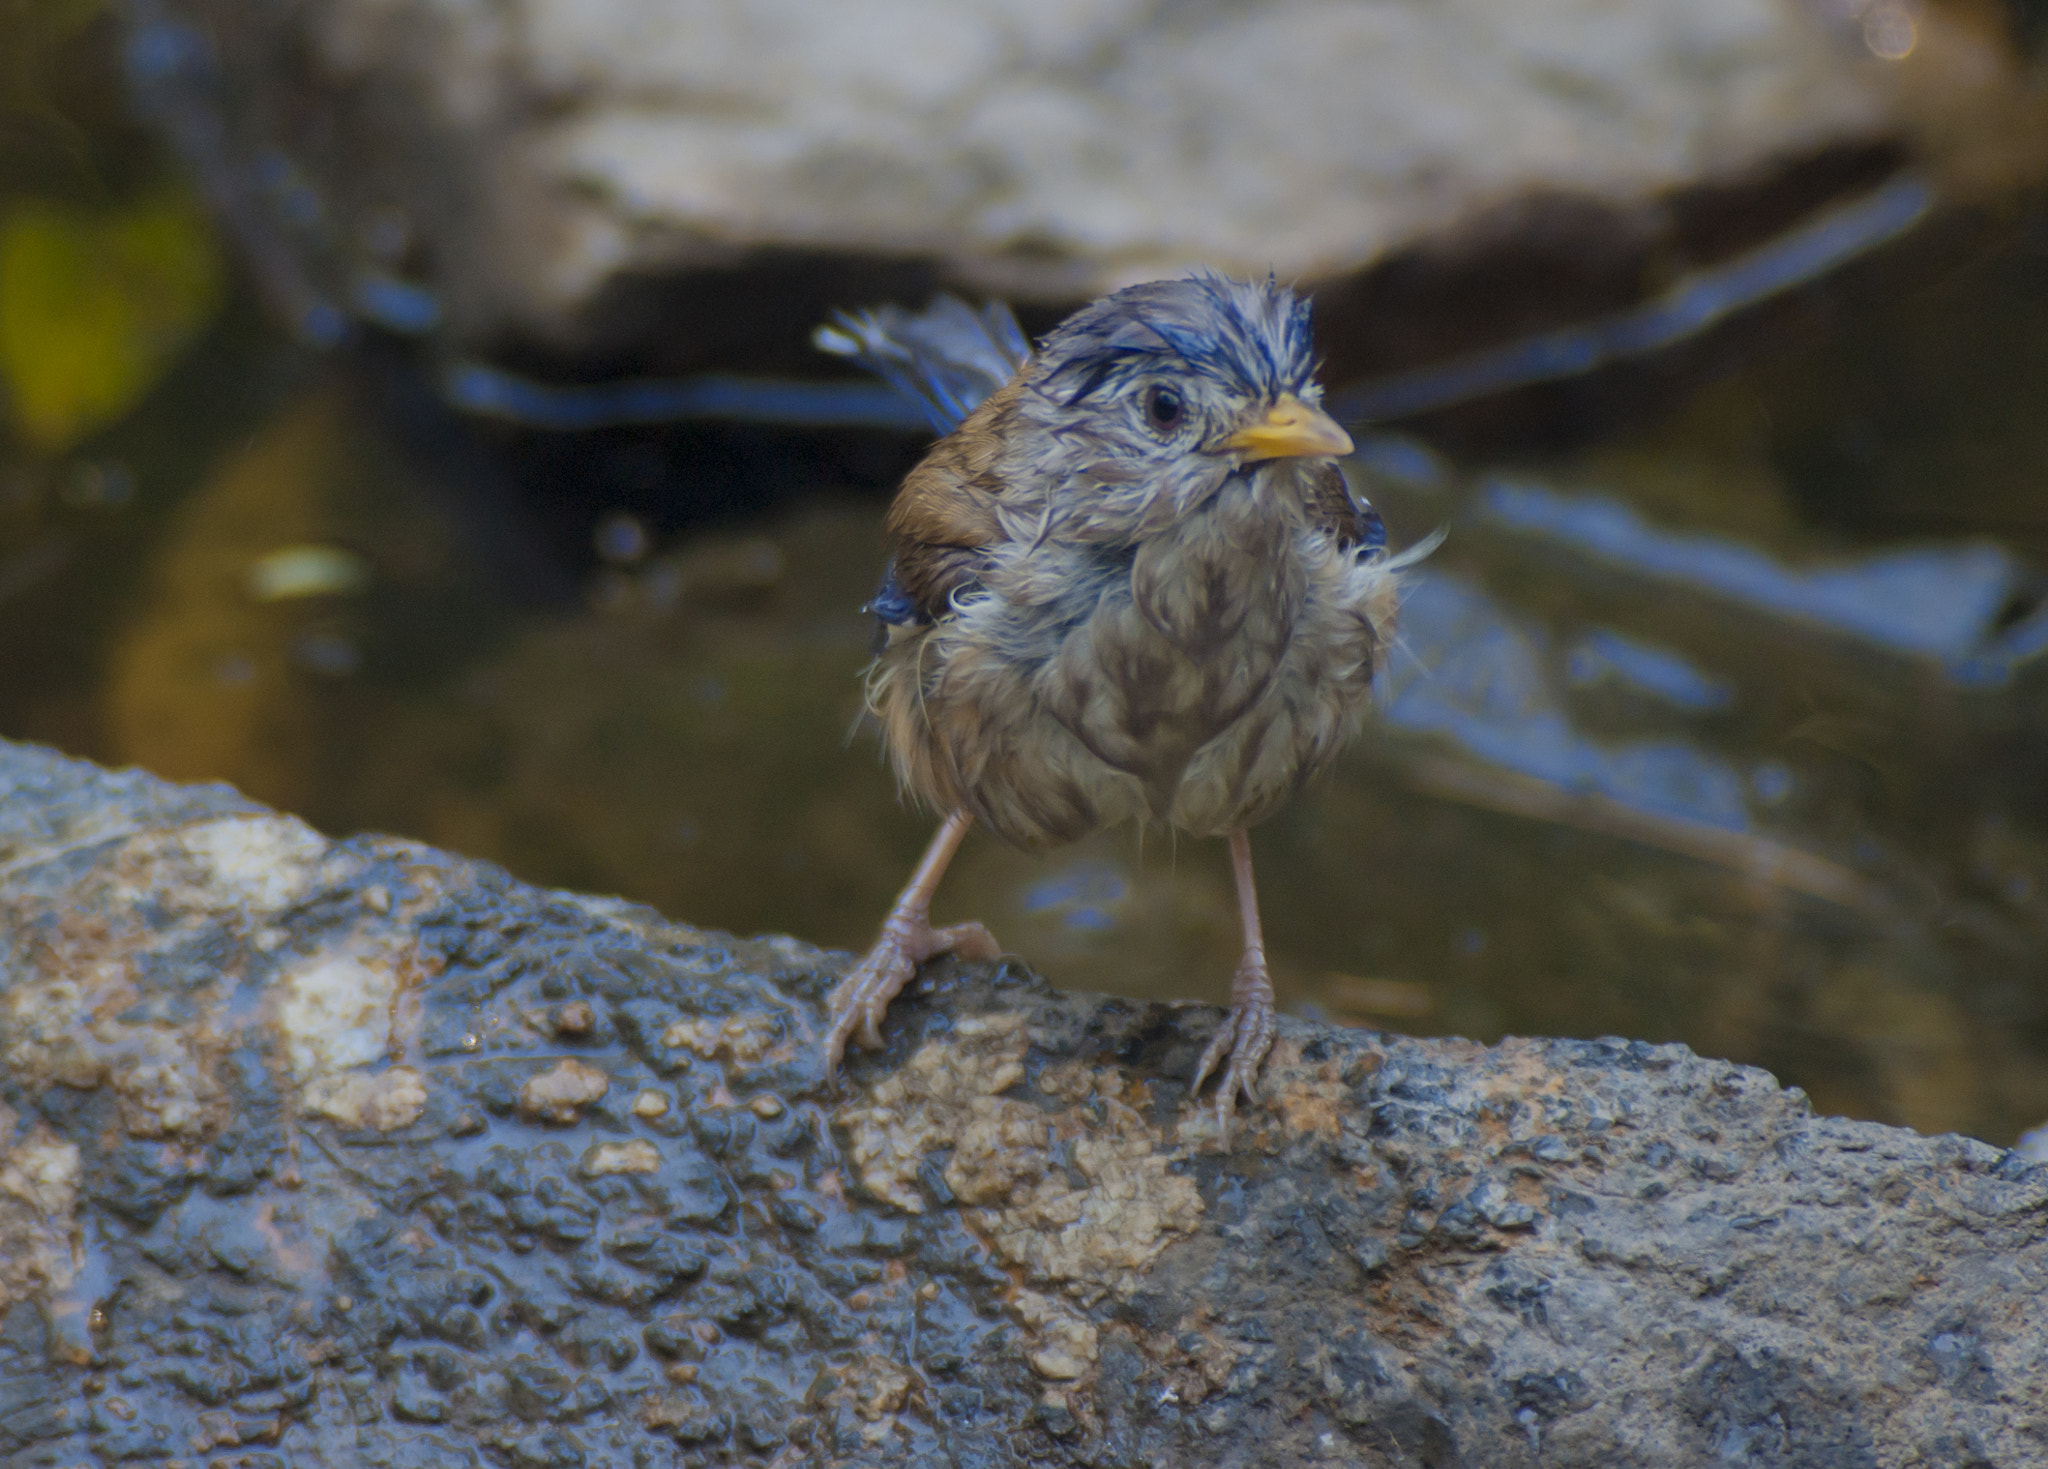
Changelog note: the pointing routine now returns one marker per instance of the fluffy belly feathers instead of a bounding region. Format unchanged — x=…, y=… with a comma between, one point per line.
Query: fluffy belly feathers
x=1195, y=682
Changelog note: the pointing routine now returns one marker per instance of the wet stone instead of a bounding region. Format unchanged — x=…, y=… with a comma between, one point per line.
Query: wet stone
x=386, y=1220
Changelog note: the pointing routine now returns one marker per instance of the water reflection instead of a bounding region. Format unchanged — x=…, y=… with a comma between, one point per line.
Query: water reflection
x=1943, y=602
x=1471, y=672
x=1602, y=656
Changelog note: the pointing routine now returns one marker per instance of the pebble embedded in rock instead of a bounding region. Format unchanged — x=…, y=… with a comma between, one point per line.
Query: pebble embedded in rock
x=560, y=1093
x=636, y=1156
x=382, y=1101
x=574, y=1018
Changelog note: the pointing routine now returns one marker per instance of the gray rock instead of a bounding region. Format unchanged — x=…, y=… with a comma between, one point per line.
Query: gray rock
x=342, y=1153
x=538, y=165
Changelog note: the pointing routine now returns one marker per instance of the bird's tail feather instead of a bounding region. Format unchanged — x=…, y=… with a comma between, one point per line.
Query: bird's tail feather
x=947, y=357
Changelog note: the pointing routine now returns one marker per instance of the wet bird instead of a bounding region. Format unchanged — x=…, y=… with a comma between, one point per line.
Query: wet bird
x=1131, y=584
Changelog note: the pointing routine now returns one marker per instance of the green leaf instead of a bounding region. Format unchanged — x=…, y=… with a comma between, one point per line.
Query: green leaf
x=95, y=305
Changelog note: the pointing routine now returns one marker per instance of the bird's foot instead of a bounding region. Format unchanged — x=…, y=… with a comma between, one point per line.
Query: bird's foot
x=859, y=1000
x=1244, y=1037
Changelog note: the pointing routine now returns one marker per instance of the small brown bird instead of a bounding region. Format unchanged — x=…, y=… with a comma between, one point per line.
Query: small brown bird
x=1131, y=585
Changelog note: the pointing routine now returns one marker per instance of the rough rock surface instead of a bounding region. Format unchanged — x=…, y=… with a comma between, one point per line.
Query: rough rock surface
x=538, y=163
x=355, y=1153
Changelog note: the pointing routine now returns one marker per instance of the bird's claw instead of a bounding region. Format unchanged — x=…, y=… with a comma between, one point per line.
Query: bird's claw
x=1245, y=1036
x=859, y=1000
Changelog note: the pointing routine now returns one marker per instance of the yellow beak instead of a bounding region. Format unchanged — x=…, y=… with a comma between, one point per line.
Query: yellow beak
x=1291, y=429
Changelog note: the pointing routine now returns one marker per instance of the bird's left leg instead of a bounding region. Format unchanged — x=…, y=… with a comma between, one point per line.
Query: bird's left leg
x=908, y=939
x=1247, y=1031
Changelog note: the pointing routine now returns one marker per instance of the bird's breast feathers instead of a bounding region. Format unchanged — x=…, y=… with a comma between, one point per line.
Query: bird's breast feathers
x=1193, y=677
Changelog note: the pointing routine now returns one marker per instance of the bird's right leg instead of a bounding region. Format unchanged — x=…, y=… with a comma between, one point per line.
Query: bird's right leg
x=1241, y=1042
x=908, y=939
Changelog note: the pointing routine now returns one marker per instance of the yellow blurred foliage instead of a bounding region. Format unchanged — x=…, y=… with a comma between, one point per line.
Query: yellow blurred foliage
x=95, y=305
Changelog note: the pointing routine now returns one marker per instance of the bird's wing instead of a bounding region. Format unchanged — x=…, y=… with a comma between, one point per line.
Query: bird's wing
x=948, y=357
x=919, y=584
x=1350, y=521
x=953, y=361
x=944, y=519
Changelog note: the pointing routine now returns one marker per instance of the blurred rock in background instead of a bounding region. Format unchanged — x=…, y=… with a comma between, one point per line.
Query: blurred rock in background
x=673, y=187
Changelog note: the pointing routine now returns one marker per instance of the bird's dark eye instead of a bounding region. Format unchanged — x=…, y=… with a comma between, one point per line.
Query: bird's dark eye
x=1163, y=409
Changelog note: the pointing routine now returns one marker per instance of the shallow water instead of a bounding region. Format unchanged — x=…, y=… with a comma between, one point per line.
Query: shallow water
x=1728, y=729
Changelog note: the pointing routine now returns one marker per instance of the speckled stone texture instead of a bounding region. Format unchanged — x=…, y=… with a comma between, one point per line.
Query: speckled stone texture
x=355, y=1153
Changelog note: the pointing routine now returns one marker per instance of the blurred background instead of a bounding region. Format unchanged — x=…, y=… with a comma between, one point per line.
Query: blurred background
x=408, y=413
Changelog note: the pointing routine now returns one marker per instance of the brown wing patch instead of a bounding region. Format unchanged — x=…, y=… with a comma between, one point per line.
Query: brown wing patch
x=931, y=575
x=944, y=515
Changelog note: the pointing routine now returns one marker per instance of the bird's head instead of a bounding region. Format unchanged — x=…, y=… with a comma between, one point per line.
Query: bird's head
x=1203, y=366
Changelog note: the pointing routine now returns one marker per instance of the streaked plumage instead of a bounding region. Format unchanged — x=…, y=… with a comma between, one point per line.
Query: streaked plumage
x=1131, y=585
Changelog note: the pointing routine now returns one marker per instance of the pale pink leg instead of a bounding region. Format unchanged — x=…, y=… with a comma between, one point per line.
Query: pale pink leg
x=1247, y=1031
x=908, y=939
